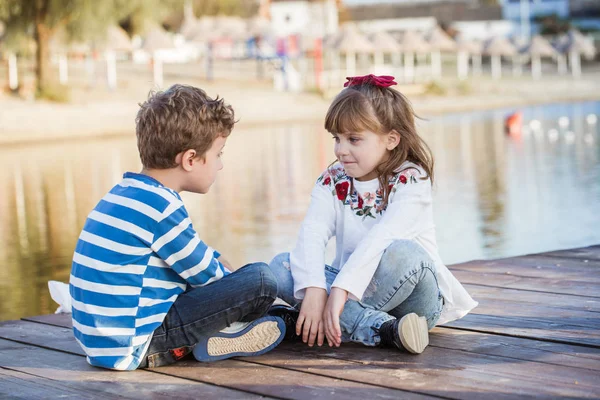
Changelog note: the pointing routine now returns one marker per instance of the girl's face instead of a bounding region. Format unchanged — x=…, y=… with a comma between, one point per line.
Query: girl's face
x=361, y=152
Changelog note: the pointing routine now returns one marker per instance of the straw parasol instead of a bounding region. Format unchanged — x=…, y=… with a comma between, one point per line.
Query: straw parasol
x=412, y=42
x=497, y=47
x=157, y=39
x=352, y=42
x=500, y=46
x=575, y=44
x=440, y=40
x=466, y=48
x=116, y=39
x=231, y=27
x=538, y=48
x=384, y=43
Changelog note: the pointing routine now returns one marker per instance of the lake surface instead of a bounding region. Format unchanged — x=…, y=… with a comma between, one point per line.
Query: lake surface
x=495, y=195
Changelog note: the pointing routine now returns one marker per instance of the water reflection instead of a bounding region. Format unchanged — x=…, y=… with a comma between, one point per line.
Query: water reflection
x=494, y=196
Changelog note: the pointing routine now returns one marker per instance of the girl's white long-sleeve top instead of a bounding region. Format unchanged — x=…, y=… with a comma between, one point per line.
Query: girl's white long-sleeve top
x=353, y=212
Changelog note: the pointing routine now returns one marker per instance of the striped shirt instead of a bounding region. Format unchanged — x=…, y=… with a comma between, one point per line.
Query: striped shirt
x=136, y=253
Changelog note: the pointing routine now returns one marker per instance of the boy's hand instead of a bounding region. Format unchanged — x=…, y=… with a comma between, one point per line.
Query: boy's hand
x=226, y=263
x=310, y=319
x=331, y=315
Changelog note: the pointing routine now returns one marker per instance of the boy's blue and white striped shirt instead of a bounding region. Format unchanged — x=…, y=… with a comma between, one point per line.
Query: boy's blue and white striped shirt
x=137, y=252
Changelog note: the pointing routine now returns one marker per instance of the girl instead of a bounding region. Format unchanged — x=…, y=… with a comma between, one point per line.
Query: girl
x=387, y=285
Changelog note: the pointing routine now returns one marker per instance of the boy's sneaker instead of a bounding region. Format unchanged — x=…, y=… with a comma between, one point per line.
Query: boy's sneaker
x=409, y=333
x=242, y=339
x=289, y=315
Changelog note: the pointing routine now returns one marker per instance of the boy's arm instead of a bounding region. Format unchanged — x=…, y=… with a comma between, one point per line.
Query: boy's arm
x=226, y=263
x=177, y=243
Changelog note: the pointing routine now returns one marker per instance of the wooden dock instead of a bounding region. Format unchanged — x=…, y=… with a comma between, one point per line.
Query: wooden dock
x=536, y=333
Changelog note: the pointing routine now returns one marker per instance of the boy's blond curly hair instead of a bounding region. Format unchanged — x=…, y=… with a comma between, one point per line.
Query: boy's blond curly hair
x=178, y=119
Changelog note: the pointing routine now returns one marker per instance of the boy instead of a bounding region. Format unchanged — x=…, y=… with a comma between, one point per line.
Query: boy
x=146, y=290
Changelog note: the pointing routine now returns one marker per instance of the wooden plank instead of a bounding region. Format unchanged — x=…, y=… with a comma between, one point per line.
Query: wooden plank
x=529, y=328
x=545, y=285
x=439, y=371
x=480, y=343
x=74, y=373
x=18, y=385
x=62, y=320
x=537, y=267
x=517, y=348
x=582, y=305
x=232, y=373
x=442, y=372
x=585, y=253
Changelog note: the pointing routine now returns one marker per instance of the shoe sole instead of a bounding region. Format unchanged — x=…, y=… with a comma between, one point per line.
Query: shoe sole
x=257, y=338
x=414, y=334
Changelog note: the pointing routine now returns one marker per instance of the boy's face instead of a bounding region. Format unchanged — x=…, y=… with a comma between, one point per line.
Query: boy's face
x=205, y=168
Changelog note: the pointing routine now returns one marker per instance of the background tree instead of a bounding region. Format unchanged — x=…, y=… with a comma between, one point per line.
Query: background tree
x=80, y=19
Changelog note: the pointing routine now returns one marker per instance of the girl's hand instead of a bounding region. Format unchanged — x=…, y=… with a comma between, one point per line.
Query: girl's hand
x=331, y=316
x=310, y=319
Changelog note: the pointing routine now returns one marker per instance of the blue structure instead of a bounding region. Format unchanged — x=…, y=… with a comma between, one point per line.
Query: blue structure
x=511, y=9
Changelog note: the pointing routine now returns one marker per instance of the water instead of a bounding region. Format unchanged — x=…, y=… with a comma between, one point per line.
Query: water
x=495, y=195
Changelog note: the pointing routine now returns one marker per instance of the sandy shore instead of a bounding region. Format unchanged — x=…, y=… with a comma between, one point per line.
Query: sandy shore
x=100, y=112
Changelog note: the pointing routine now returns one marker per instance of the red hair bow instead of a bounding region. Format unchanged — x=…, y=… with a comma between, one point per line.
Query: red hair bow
x=381, y=81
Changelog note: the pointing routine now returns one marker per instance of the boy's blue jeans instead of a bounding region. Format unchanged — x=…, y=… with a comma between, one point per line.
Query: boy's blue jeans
x=404, y=282
x=244, y=295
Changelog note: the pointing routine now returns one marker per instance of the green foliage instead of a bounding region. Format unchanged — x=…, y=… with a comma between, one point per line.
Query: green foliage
x=435, y=88
x=464, y=88
x=53, y=92
x=242, y=8
x=78, y=19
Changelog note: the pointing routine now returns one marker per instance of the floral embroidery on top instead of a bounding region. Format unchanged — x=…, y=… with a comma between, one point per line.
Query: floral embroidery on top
x=368, y=204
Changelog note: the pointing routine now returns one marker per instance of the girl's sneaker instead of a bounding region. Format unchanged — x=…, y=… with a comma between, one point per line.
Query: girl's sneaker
x=242, y=339
x=409, y=333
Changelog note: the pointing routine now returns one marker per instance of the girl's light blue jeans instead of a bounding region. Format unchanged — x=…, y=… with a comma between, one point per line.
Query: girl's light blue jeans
x=404, y=282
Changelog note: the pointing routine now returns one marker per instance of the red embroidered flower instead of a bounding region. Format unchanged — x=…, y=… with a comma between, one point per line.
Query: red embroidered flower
x=403, y=179
x=390, y=188
x=360, y=202
x=342, y=190
x=381, y=81
x=327, y=181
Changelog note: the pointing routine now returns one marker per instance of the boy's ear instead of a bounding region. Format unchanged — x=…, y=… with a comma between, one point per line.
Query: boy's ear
x=187, y=159
x=393, y=140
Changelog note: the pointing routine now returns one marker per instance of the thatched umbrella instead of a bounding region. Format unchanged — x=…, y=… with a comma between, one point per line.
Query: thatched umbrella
x=412, y=42
x=383, y=43
x=351, y=42
x=538, y=48
x=156, y=40
x=496, y=48
x=234, y=28
x=466, y=48
x=575, y=45
x=438, y=41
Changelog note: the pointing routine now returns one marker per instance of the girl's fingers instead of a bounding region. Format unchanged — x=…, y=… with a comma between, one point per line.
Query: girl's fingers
x=328, y=331
x=320, y=334
x=299, y=324
x=306, y=331
x=335, y=330
x=312, y=335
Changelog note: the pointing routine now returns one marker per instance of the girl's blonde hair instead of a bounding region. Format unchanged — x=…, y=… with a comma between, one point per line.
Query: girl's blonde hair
x=366, y=107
